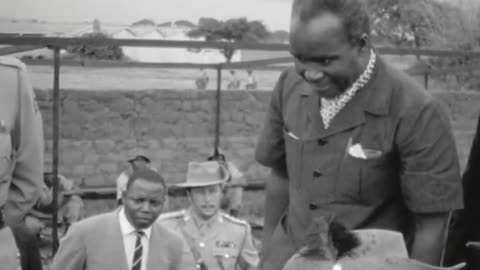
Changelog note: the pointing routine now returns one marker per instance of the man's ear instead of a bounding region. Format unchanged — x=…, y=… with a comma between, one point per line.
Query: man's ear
x=364, y=42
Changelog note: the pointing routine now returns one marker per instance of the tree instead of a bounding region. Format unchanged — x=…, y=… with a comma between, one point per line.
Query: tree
x=280, y=36
x=100, y=52
x=432, y=24
x=232, y=30
x=407, y=23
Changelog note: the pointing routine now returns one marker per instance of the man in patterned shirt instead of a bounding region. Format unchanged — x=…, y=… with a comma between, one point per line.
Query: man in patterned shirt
x=348, y=135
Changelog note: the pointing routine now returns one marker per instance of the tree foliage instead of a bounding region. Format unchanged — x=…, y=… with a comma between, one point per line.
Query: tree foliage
x=432, y=24
x=407, y=23
x=99, y=52
x=232, y=30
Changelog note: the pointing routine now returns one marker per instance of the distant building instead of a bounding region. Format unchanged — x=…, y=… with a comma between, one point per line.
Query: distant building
x=168, y=31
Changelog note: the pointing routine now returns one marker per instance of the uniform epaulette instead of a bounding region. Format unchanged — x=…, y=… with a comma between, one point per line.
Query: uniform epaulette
x=174, y=214
x=234, y=219
x=12, y=62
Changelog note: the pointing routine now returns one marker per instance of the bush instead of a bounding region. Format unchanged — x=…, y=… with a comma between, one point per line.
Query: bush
x=99, y=52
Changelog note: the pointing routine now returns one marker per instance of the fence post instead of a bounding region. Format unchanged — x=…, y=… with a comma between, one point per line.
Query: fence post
x=218, y=98
x=425, y=79
x=56, y=130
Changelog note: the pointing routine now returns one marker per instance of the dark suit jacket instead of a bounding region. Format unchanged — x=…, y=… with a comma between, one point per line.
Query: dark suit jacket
x=96, y=243
x=471, y=186
x=465, y=224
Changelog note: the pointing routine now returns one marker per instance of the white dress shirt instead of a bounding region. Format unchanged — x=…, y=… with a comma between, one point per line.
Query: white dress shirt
x=121, y=184
x=129, y=239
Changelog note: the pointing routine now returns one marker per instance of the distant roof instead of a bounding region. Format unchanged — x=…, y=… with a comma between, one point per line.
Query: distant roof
x=144, y=22
x=185, y=23
x=165, y=24
x=179, y=23
x=141, y=32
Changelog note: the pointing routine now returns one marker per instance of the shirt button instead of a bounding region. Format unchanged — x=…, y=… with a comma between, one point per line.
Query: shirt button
x=317, y=173
x=201, y=244
x=322, y=142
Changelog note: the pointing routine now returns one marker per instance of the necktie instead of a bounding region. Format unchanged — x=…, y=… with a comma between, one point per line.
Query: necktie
x=138, y=254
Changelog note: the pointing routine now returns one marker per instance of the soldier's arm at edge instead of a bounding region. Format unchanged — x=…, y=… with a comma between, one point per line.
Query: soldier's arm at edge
x=27, y=177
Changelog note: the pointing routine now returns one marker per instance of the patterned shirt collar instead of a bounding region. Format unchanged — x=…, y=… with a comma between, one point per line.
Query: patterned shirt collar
x=331, y=107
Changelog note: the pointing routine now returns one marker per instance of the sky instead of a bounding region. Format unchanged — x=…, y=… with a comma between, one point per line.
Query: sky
x=274, y=13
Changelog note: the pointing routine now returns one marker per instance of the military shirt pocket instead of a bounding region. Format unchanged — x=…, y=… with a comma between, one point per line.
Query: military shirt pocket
x=226, y=257
x=6, y=156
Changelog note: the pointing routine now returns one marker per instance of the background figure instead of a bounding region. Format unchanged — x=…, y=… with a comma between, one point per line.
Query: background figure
x=21, y=165
x=346, y=134
x=212, y=239
x=251, y=81
x=70, y=206
x=126, y=238
x=233, y=194
x=234, y=82
x=202, y=81
x=137, y=161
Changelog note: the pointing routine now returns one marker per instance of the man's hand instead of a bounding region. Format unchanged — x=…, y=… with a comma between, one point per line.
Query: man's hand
x=276, y=203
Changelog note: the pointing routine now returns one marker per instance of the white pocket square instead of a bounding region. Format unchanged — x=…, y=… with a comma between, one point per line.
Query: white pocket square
x=357, y=151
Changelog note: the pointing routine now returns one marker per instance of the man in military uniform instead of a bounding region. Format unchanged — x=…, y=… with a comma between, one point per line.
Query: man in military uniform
x=212, y=239
x=233, y=195
x=21, y=162
x=346, y=134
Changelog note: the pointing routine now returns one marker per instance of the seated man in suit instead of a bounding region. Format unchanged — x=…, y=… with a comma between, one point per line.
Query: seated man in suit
x=213, y=239
x=126, y=238
x=70, y=207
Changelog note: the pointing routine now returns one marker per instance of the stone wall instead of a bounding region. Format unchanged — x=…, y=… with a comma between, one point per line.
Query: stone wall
x=101, y=129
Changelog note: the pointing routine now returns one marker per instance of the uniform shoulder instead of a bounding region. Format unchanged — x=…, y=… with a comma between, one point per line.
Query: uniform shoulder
x=234, y=220
x=12, y=62
x=172, y=215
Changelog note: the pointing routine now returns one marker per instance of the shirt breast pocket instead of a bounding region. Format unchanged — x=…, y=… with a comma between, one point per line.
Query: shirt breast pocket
x=6, y=156
x=370, y=181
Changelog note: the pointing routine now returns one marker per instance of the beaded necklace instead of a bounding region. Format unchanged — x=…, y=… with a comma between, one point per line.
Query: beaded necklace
x=331, y=107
